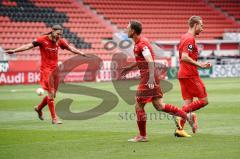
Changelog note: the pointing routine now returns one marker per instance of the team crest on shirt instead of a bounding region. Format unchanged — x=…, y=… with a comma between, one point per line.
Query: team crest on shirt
x=190, y=47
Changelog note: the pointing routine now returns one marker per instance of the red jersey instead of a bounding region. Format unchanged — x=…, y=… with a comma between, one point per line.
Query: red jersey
x=49, y=52
x=144, y=93
x=142, y=64
x=188, y=45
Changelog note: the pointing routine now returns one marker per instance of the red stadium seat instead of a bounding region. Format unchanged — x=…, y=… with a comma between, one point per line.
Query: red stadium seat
x=230, y=7
x=80, y=21
x=163, y=20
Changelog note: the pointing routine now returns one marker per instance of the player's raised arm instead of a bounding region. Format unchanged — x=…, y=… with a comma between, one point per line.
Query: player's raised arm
x=75, y=51
x=148, y=57
x=21, y=48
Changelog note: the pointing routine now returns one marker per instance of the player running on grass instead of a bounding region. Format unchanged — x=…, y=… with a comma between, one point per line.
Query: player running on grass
x=190, y=82
x=49, y=45
x=149, y=88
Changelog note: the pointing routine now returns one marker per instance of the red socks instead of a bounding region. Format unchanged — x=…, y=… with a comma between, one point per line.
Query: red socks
x=173, y=110
x=43, y=103
x=194, y=106
x=141, y=121
x=168, y=108
x=51, y=107
x=50, y=103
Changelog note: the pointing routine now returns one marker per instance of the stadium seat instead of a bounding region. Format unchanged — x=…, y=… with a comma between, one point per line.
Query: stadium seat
x=82, y=29
x=164, y=20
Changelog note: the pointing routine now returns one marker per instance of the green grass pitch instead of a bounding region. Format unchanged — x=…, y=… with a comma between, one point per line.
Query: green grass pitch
x=23, y=136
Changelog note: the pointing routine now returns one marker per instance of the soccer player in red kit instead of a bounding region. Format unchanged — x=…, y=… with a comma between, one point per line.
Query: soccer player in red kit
x=190, y=82
x=149, y=88
x=49, y=45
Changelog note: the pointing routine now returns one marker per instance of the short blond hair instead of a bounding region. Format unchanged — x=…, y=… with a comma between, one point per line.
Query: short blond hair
x=194, y=20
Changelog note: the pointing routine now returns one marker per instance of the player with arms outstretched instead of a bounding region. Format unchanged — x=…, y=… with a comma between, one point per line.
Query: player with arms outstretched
x=149, y=88
x=190, y=82
x=49, y=45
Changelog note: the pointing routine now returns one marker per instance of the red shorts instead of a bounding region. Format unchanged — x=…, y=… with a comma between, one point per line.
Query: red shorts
x=145, y=94
x=192, y=87
x=49, y=80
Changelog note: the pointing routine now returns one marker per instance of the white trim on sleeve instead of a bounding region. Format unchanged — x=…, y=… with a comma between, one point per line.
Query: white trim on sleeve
x=146, y=51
